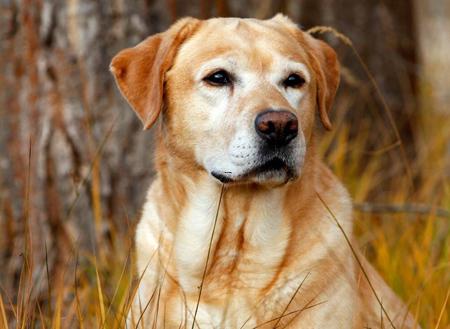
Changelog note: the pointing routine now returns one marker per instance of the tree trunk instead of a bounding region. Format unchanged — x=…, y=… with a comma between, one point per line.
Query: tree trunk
x=434, y=31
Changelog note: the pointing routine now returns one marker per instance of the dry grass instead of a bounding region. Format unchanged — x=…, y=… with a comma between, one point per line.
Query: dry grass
x=411, y=250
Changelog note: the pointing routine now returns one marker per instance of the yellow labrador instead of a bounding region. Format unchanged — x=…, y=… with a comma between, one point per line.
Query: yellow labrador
x=237, y=230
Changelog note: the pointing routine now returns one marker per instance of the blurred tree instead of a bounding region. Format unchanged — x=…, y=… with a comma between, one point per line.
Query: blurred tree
x=434, y=30
x=74, y=162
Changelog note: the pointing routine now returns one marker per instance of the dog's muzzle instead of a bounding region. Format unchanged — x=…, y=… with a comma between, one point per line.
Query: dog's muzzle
x=275, y=160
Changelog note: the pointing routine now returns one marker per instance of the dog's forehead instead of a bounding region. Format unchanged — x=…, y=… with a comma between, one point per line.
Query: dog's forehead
x=247, y=38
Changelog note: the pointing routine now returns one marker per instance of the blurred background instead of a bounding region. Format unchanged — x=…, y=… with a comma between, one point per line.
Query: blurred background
x=75, y=163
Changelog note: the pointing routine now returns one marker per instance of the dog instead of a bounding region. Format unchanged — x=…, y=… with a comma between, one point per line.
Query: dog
x=243, y=225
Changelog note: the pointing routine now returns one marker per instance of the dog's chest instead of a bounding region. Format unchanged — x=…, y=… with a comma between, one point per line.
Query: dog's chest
x=239, y=244
x=234, y=252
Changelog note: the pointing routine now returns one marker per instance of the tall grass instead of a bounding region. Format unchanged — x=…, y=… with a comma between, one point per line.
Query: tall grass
x=411, y=249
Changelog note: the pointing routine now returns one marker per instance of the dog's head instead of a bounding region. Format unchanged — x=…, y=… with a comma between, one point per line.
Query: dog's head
x=238, y=96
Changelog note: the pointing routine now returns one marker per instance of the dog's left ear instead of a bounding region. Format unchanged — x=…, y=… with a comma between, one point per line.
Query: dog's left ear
x=327, y=71
x=140, y=71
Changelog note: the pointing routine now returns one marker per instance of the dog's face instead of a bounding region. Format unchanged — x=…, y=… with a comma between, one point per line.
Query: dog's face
x=239, y=95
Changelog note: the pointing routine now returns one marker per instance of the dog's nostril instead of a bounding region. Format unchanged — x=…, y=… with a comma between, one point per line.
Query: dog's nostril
x=266, y=127
x=277, y=127
x=291, y=127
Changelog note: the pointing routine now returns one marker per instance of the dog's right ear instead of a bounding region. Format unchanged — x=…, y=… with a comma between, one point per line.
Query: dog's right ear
x=140, y=71
x=327, y=71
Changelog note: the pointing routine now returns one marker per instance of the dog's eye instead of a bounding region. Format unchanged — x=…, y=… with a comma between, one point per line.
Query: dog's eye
x=219, y=78
x=294, y=81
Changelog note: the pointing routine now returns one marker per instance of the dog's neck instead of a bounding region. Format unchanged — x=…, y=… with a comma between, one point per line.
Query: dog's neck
x=244, y=217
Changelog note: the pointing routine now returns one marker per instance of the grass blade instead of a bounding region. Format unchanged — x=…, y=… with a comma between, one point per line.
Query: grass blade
x=4, y=319
x=207, y=257
x=356, y=258
x=100, y=296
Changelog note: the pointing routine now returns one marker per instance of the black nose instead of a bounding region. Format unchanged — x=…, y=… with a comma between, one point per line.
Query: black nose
x=277, y=127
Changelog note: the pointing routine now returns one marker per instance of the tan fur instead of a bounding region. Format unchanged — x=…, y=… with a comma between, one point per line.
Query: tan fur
x=270, y=239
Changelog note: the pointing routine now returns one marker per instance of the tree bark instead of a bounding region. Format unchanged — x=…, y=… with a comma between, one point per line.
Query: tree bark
x=434, y=31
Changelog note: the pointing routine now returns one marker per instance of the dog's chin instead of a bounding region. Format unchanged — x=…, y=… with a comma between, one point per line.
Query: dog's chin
x=272, y=178
x=272, y=173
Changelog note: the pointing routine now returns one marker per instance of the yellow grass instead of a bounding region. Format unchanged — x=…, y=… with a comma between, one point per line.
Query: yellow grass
x=411, y=251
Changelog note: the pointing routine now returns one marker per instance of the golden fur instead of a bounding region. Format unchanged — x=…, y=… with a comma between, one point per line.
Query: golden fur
x=277, y=258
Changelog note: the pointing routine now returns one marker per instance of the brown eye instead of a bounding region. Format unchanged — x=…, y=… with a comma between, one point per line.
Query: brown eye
x=219, y=78
x=294, y=81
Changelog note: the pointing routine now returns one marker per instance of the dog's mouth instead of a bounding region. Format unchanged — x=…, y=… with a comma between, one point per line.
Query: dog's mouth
x=275, y=164
x=275, y=168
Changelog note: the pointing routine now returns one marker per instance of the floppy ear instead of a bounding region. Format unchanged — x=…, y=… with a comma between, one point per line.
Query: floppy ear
x=326, y=69
x=140, y=71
